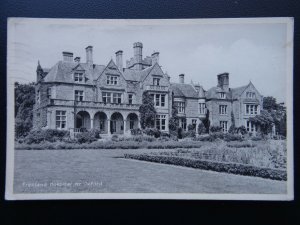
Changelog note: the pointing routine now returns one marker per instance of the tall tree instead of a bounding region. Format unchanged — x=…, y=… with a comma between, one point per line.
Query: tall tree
x=24, y=102
x=269, y=103
x=147, y=111
x=174, y=119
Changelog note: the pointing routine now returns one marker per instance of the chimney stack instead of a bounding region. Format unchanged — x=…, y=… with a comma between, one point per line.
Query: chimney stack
x=67, y=56
x=155, y=58
x=138, y=55
x=89, y=55
x=119, y=60
x=223, y=81
x=181, y=78
x=77, y=59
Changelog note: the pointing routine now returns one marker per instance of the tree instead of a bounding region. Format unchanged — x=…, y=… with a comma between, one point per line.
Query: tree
x=278, y=113
x=24, y=102
x=174, y=119
x=147, y=111
x=264, y=120
x=206, y=121
x=269, y=103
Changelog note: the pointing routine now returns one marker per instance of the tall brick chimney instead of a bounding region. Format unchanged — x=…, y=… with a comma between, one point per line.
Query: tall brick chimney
x=67, y=56
x=155, y=58
x=181, y=78
x=138, y=55
x=89, y=55
x=223, y=81
x=119, y=60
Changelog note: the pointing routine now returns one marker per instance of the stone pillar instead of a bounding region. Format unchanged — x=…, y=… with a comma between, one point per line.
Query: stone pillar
x=92, y=123
x=139, y=124
x=124, y=126
x=108, y=127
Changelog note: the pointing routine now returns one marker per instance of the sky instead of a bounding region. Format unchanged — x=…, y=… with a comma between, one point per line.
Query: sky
x=253, y=52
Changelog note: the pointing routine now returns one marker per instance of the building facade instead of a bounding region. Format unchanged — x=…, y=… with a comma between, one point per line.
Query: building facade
x=76, y=96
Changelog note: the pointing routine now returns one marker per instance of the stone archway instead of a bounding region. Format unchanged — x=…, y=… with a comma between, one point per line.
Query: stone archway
x=132, y=121
x=117, y=123
x=101, y=122
x=83, y=121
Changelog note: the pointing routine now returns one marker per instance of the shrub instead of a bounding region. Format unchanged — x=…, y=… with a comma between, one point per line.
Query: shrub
x=242, y=130
x=241, y=145
x=214, y=129
x=85, y=137
x=179, y=133
x=136, y=131
x=152, y=132
x=191, y=127
x=201, y=129
x=189, y=134
x=233, y=137
x=247, y=170
x=51, y=135
x=115, y=137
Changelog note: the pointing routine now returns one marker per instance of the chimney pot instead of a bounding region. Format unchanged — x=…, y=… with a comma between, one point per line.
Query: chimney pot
x=223, y=81
x=138, y=55
x=181, y=78
x=119, y=59
x=89, y=55
x=67, y=56
x=77, y=59
x=155, y=58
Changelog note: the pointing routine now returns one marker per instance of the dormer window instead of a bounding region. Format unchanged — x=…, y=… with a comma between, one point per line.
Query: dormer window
x=156, y=81
x=222, y=95
x=78, y=77
x=250, y=95
x=111, y=80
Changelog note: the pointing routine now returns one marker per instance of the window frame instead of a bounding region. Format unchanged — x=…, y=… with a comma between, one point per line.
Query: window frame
x=79, y=97
x=156, y=81
x=222, y=95
x=78, y=77
x=223, y=109
x=202, y=108
x=224, y=126
x=112, y=80
x=61, y=119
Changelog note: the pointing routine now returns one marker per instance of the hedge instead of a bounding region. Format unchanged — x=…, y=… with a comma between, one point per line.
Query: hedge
x=234, y=168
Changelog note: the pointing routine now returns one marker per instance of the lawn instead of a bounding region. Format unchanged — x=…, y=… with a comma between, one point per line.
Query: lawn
x=103, y=171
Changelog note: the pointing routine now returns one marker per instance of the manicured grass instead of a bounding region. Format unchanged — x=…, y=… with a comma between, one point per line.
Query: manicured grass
x=105, y=171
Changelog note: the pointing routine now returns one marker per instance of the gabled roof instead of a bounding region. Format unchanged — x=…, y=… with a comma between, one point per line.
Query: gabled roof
x=63, y=72
x=236, y=92
x=136, y=75
x=184, y=90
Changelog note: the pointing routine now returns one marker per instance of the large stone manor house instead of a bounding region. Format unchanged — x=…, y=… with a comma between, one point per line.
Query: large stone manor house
x=75, y=95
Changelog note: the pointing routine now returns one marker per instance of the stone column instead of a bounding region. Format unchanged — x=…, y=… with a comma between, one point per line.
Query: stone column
x=124, y=126
x=92, y=123
x=108, y=127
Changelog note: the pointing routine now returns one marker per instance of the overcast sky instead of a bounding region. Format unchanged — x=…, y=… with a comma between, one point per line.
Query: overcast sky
x=248, y=51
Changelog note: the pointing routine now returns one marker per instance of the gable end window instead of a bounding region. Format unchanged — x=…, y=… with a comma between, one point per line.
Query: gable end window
x=78, y=77
x=111, y=80
x=250, y=94
x=156, y=81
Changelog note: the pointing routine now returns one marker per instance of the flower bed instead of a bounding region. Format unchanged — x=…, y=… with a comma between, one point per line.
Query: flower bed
x=247, y=170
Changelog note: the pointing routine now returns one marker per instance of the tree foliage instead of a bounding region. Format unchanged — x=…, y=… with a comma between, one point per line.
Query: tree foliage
x=264, y=120
x=269, y=103
x=147, y=111
x=174, y=119
x=24, y=102
x=206, y=121
x=277, y=112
